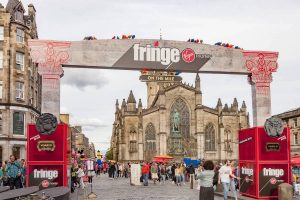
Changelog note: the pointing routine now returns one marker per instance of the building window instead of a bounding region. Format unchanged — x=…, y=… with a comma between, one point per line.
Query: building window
x=1, y=89
x=18, y=123
x=132, y=146
x=209, y=135
x=296, y=138
x=180, y=119
x=20, y=60
x=295, y=122
x=20, y=35
x=19, y=16
x=19, y=90
x=150, y=138
x=1, y=33
x=1, y=59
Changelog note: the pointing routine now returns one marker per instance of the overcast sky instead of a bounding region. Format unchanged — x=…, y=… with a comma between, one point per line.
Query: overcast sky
x=89, y=95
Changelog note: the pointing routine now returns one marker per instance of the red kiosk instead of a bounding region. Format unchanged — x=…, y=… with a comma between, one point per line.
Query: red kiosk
x=47, y=159
x=264, y=162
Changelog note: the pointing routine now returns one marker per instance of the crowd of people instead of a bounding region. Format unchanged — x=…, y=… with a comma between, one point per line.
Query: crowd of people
x=13, y=173
x=208, y=175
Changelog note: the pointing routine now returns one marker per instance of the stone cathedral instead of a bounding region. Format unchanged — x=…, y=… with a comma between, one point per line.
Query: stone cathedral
x=176, y=123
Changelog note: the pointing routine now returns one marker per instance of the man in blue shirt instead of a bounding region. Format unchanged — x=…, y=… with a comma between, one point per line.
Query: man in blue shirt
x=14, y=173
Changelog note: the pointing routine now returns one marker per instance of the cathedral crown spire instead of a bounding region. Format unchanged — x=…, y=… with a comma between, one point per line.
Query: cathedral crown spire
x=117, y=104
x=140, y=103
x=197, y=77
x=219, y=104
x=235, y=103
x=197, y=83
x=131, y=98
x=244, y=105
x=123, y=103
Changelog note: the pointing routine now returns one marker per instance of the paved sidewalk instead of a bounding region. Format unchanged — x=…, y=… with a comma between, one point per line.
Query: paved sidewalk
x=120, y=189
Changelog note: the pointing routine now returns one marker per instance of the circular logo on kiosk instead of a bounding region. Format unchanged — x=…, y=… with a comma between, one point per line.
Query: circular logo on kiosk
x=273, y=181
x=45, y=183
x=46, y=124
x=274, y=127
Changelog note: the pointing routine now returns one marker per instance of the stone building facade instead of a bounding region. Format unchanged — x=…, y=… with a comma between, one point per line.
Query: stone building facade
x=81, y=141
x=20, y=83
x=291, y=119
x=176, y=123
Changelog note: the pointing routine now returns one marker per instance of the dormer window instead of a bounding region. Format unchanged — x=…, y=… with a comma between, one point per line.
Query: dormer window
x=19, y=16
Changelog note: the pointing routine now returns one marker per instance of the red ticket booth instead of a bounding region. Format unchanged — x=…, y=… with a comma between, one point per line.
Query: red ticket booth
x=264, y=162
x=47, y=159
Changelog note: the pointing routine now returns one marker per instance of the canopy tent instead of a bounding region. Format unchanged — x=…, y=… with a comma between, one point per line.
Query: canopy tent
x=295, y=161
x=162, y=158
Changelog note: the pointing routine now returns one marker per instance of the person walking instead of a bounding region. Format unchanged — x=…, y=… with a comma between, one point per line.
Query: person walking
x=80, y=174
x=163, y=172
x=206, y=181
x=14, y=173
x=225, y=173
x=233, y=179
x=154, y=173
x=145, y=173
x=178, y=175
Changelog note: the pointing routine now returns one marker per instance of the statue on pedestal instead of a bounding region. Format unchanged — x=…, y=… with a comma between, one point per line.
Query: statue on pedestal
x=175, y=121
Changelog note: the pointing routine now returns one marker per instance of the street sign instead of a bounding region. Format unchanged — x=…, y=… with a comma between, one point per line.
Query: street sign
x=160, y=78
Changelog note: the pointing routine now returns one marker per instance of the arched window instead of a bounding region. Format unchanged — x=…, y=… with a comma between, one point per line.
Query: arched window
x=228, y=139
x=150, y=141
x=132, y=139
x=210, y=136
x=180, y=110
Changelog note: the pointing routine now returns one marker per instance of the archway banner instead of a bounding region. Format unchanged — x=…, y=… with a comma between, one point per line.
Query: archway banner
x=142, y=54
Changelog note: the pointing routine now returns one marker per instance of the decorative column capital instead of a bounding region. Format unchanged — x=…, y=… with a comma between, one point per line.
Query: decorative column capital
x=49, y=55
x=261, y=64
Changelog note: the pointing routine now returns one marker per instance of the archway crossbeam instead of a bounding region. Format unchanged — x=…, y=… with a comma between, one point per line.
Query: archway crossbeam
x=51, y=56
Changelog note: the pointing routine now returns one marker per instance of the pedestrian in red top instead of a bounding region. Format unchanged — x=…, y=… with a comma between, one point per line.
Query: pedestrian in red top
x=145, y=173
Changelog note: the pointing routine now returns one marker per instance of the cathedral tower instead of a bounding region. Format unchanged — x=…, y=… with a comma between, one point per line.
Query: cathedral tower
x=152, y=89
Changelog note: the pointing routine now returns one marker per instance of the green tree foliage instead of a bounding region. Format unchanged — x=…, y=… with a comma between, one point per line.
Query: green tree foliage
x=109, y=154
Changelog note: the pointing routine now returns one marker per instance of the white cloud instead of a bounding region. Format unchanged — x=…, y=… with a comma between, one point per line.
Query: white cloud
x=83, y=78
x=88, y=123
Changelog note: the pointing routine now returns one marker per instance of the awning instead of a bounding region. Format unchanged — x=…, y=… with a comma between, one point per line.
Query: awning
x=295, y=161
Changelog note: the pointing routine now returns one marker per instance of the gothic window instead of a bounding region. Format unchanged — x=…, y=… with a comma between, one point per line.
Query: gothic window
x=210, y=135
x=180, y=111
x=150, y=138
x=132, y=146
x=132, y=139
x=228, y=139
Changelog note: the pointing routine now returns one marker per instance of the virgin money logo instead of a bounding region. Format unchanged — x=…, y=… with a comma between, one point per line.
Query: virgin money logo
x=188, y=55
x=273, y=181
x=45, y=183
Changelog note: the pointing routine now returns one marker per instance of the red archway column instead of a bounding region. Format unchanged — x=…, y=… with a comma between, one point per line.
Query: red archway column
x=260, y=65
x=50, y=55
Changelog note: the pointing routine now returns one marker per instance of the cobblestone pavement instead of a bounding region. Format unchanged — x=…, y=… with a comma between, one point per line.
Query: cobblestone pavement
x=120, y=189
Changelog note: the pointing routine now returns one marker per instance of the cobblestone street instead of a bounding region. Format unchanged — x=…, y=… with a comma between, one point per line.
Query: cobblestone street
x=120, y=189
